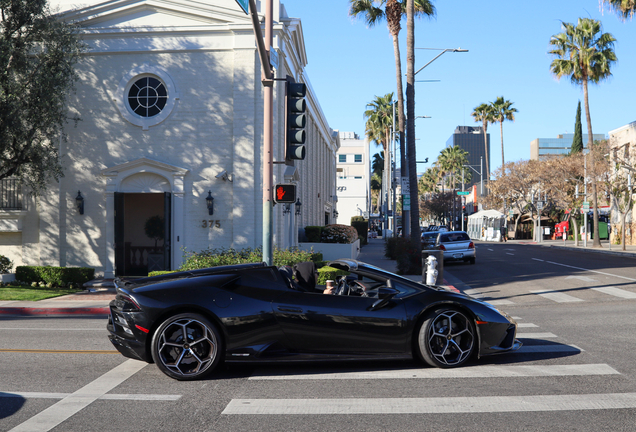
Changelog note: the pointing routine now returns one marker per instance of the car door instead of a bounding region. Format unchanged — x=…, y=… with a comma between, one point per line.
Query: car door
x=341, y=324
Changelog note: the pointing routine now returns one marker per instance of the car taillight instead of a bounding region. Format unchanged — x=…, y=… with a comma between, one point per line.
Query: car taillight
x=441, y=247
x=127, y=304
x=471, y=245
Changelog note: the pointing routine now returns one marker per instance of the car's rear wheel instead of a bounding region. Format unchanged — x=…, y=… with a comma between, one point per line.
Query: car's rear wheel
x=186, y=347
x=472, y=260
x=446, y=338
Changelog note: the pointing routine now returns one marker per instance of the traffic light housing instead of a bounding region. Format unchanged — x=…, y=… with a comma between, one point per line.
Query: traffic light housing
x=295, y=119
x=285, y=193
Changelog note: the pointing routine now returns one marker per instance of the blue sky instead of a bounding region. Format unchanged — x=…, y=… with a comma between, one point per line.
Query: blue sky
x=508, y=43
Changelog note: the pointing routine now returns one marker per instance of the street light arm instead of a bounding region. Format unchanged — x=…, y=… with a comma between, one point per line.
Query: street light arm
x=438, y=56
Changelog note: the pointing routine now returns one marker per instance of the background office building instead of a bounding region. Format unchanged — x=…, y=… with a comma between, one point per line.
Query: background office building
x=353, y=169
x=562, y=144
x=471, y=139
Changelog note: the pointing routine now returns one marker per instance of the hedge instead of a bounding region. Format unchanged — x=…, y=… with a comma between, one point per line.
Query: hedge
x=58, y=276
x=219, y=257
x=313, y=233
x=362, y=226
x=329, y=273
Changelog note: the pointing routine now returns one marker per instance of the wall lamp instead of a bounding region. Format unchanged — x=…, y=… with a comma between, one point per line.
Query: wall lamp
x=209, y=201
x=287, y=209
x=79, y=202
x=298, y=204
x=335, y=213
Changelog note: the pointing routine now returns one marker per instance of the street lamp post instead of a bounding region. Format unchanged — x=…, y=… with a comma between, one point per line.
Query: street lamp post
x=411, y=126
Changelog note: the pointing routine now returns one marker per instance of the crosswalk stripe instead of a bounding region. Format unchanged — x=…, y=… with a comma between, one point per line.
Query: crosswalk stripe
x=499, y=302
x=617, y=292
x=556, y=296
x=522, y=325
x=113, y=396
x=436, y=373
x=540, y=349
x=483, y=404
x=545, y=335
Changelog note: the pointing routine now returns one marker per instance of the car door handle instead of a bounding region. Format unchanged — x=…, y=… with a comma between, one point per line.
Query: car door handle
x=290, y=309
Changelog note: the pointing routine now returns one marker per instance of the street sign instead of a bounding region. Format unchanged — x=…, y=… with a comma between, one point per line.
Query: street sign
x=245, y=5
x=511, y=213
x=406, y=202
x=406, y=186
x=586, y=206
x=539, y=205
x=463, y=192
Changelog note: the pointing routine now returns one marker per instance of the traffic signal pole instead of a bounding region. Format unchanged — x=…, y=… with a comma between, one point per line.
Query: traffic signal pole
x=264, y=46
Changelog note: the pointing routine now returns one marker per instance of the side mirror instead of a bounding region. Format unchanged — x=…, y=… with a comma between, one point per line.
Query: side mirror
x=385, y=295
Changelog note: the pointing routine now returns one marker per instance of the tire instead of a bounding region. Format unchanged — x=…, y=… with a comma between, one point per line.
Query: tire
x=446, y=338
x=472, y=260
x=186, y=347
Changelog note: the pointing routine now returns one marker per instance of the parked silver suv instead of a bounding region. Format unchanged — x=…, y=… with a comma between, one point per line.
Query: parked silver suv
x=457, y=246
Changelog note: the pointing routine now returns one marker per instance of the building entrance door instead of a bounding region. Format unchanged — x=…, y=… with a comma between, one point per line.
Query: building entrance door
x=142, y=233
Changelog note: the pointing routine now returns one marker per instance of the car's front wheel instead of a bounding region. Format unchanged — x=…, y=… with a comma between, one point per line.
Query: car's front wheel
x=446, y=338
x=186, y=346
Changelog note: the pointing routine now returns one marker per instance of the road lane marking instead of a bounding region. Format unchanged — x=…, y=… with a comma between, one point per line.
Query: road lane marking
x=617, y=292
x=43, y=351
x=593, y=271
x=522, y=325
x=429, y=373
x=508, y=253
x=483, y=404
x=73, y=403
x=537, y=259
x=556, y=296
x=546, y=335
x=113, y=396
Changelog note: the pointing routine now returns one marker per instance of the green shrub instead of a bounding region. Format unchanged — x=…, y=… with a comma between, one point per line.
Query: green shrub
x=409, y=260
x=329, y=273
x=160, y=272
x=57, y=276
x=313, y=233
x=5, y=265
x=337, y=233
x=362, y=226
x=219, y=257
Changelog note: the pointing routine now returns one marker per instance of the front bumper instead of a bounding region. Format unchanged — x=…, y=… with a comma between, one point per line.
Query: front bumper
x=497, y=338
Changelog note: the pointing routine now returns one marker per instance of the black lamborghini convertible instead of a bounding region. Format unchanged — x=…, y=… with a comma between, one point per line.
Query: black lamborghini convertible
x=188, y=322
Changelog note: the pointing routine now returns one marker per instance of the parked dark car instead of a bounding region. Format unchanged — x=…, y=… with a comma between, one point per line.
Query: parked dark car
x=189, y=322
x=429, y=238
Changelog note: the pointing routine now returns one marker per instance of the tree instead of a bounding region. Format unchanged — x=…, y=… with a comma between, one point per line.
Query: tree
x=37, y=57
x=577, y=141
x=624, y=8
x=483, y=113
x=393, y=12
x=155, y=228
x=451, y=160
x=502, y=110
x=585, y=54
x=377, y=165
x=379, y=117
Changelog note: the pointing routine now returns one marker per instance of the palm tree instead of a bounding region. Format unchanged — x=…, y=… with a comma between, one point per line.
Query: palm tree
x=393, y=12
x=483, y=113
x=451, y=160
x=379, y=116
x=624, y=8
x=377, y=165
x=584, y=53
x=502, y=110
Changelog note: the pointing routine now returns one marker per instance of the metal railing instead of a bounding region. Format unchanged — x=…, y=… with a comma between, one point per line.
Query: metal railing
x=10, y=194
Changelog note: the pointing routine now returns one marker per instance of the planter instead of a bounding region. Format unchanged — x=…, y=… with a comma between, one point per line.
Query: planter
x=332, y=251
x=8, y=277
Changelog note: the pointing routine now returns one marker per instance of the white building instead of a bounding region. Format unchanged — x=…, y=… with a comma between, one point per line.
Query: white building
x=623, y=154
x=354, y=171
x=170, y=98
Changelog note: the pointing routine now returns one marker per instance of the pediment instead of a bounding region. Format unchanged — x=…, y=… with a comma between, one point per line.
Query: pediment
x=144, y=165
x=153, y=13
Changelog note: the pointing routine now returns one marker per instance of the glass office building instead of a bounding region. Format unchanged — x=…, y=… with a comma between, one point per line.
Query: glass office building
x=562, y=144
x=471, y=139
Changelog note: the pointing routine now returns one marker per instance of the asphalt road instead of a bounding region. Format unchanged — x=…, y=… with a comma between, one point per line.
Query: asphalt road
x=575, y=372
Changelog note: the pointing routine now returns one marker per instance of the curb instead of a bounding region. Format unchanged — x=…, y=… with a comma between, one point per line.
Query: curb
x=50, y=311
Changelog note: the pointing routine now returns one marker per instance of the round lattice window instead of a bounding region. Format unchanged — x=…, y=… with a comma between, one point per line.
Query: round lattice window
x=147, y=97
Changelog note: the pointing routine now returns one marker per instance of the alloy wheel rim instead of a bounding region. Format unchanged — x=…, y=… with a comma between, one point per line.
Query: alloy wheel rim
x=187, y=347
x=450, y=338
